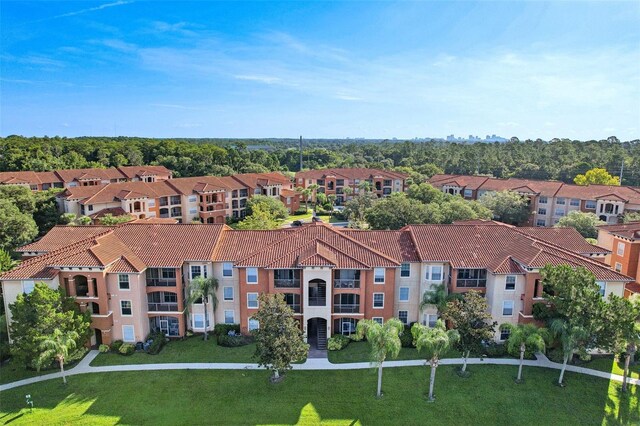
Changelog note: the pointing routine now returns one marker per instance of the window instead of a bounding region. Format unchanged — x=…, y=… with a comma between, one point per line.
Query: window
x=125, y=308
x=229, y=317
x=227, y=293
x=620, y=249
x=405, y=270
x=468, y=193
x=379, y=320
x=151, y=203
x=128, y=333
x=404, y=317
x=378, y=275
x=434, y=273
x=560, y=201
x=27, y=286
x=252, y=275
x=590, y=204
x=471, y=278
x=196, y=271
x=542, y=200
x=618, y=267
x=504, y=333
x=254, y=324
x=378, y=300
x=560, y=211
x=541, y=222
x=123, y=281
x=574, y=202
x=252, y=300
x=193, y=198
x=193, y=211
x=227, y=269
x=510, y=282
x=198, y=321
x=507, y=308
x=603, y=287
x=404, y=294
x=429, y=320
x=542, y=211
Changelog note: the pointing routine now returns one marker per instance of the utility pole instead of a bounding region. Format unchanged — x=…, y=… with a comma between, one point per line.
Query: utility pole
x=300, y=153
x=621, y=170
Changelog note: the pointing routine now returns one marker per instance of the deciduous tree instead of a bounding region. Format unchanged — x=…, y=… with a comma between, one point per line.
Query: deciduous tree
x=585, y=223
x=596, y=176
x=273, y=206
x=507, y=206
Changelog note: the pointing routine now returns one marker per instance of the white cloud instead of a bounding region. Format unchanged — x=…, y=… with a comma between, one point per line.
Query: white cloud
x=91, y=9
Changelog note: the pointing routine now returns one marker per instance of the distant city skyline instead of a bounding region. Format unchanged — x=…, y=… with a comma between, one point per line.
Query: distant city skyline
x=321, y=69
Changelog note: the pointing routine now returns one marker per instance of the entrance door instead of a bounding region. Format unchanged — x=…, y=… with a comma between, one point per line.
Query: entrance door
x=98, y=337
x=164, y=326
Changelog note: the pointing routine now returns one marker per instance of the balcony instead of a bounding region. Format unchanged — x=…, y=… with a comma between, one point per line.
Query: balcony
x=161, y=282
x=210, y=207
x=296, y=308
x=162, y=307
x=317, y=301
x=286, y=283
x=346, y=283
x=346, y=308
x=102, y=322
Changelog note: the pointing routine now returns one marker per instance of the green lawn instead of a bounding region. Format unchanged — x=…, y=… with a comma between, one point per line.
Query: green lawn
x=193, y=349
x=360, y=352
x=12, y=371
x=608, y=364
x=488, y=397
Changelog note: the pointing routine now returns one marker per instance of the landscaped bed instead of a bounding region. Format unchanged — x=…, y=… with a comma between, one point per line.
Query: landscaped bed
x=12, y=371
x=333, y=397
x=191, y=349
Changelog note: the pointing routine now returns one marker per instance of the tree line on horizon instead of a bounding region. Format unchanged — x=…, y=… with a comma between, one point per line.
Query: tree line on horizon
x=559, y=159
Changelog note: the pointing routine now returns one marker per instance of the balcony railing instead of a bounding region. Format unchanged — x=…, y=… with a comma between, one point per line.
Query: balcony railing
x=161, y=282
x=346, y=308
x=317, y=301
x=296, y=308
x=162, y=307
x=346, y=283
x=286, y=283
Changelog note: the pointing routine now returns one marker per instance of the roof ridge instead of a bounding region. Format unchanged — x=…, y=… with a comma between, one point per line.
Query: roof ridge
x=330, y=227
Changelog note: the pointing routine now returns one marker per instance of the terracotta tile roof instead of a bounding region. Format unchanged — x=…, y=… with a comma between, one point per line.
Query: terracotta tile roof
x=123, y=266
x=156, y=220
x=397, y=245
x=607, y=192
x=351, y=174
x=16, y=178
x=114, y=211
x=133, y=171
x=255, y=180
x=509, y=266
x=567, y=238
x=61, y=236
x=463, y=181
x=632, y=287
x=69, y=175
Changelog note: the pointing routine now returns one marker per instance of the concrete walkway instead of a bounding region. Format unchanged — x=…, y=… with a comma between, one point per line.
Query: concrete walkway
x=83, y=367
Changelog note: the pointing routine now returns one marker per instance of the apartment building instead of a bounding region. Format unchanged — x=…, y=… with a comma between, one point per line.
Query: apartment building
x=209, y=199
x=336, y=181
x=549, y=200
x=69, y=178
x=134, y=277
x=623, y=242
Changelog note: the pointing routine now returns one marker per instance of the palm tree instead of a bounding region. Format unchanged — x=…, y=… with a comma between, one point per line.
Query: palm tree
x=525, y=337
x=57, y=347
x=383, y=339
x=438, y=297
x=306, y=193
x=570, y=337
x=434, y=341
x=205, y=289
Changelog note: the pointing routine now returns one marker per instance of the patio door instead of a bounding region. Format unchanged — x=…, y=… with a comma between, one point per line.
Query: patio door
x=164, y=326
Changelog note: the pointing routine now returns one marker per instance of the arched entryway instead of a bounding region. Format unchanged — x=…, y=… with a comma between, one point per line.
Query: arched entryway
x=317, y=333
x=317, y=292
x=81, y=285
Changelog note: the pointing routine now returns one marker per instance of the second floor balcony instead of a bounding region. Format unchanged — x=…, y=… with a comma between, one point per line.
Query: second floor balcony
x=161, y=277
x=346, y=278
x=286, y=278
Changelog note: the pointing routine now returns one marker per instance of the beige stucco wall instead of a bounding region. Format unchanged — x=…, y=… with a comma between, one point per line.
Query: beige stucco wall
x=223, y=305
x=138, y=297
x=12, y=289
x=496, y=294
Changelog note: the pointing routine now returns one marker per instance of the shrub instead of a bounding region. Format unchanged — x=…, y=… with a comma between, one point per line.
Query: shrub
x=158, y=340
x=104, y=349
x=115, y=346
x=127, y=349
x=406, y=338
x=224, y=329
x=543, y=312
x=337, y=342
x=495, y=350
x=300, y=211
x=232, y=341
x=355, y=337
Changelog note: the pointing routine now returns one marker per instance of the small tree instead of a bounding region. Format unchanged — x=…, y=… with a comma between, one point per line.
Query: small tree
x=259, y=219
x=205, y=289
x=585, y=223
x=596, y=176
x=269, y=204
x=471, y=318
x=434, y=342
x=438, y=297
x=109, y=219
x=623, y=329
x=507, y=206
x=571, y=338
x=384, y=341
x=279, y=340
x=524, y=338
x=306, y=193
x=57, y=346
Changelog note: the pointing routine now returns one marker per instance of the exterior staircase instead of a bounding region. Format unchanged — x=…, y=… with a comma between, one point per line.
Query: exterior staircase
x=322, y=337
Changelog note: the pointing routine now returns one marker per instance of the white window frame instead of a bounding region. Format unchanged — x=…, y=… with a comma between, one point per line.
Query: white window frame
x=191, y=271
x=542, y=200
x=379, y=320
x=233, y=316
x=426, y=320
x=376, y=272
x=561, y=201
x=224, y=296
x=603, y=287
x=28, y=286
x=225, y=269
x=405, y=267
x=542, y=211
x=504, y=306
x=249, y=321
x=249, y=301
x=541, y=222
x=618, y=267
x=620, y=248
x=124, y=334
x=256, y=275
x=506, y=283
x=588, y=204
x=430, y=269
x=468, y=193
x=504, y=334
x=120, y=282
x=577, y=202
x=193, y=321
x=130, y=308
x=406, y=316
x=374, y=301
x=400, y=299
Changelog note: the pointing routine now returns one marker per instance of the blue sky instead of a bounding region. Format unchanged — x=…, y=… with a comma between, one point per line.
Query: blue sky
x=321, y=69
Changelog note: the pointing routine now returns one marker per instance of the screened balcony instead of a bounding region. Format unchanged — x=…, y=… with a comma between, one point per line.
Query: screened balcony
x=286, y=278
x=346, y=278
x=346, y=303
